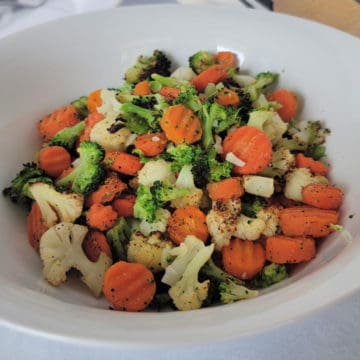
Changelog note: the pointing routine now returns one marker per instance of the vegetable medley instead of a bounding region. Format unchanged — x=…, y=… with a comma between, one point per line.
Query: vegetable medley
x=178, y=189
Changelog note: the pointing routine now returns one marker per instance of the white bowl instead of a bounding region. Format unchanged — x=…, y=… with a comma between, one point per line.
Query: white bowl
x=50, y=65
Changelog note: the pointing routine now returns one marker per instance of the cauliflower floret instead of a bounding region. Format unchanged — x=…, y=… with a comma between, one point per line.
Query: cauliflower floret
x=161, y=219
x=308, y=132
x=185, y=180
x=61, y=250
x=259, y=185
x=188, y=293
x=110, y=141
x=110, y=106
x=221, y=221
x=248, y=228
x=156, y=170
x=56, y=206
x=271, y=217
x=147, y=250
x=281, y=161
x=183, y=73
x=297, y=180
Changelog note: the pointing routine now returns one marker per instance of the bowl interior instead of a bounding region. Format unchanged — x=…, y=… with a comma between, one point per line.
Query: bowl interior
x=49, y=66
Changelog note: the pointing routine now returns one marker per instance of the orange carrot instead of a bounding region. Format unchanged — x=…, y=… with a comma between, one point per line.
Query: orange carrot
x=169, y=93
x=105, y=193
x=185, y=221
x=51, y=124
x=54, y=160
x=36, y=226
x=101, y=217
x=288, y=102
x=226, y=189
x=317, y=167
x=94, y=100
x=151, y=144
x=243, y=258
x=289, y=250
x=322, y=196
x=227, y=97
x=307, y=221
x=122, y=162
x=129, y=286
x=226, y=58
x=180, y=124
x=91, y=120
x=124, y=206
x=94, y=244
x=250, y=145
x=213, y=74
x=142, y=88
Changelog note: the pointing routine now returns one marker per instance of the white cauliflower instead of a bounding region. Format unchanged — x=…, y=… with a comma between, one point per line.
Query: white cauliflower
x=221, y=222
x=188, y=293
x=248, y=228
x=259, y=185
x=156, y=170
x=185, y=180
x=183, y=73
x=308, y=132
x=56, y=206
x=297, y=179
x=147, y=250
x=110, y=141
x=281, y=162
x=61, y=250
x=161, y=219
x=271, y=217
x=110, y=106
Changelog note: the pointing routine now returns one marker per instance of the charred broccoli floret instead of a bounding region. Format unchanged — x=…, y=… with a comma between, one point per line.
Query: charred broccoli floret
x=200, y=61
x=270, y=274
x=158, y=63
x=118, y=237
x=88, y=175
x=68, y=136
x=80, y=105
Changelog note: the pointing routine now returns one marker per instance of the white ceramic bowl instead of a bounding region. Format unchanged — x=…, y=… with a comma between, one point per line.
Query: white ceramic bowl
x=50, y=65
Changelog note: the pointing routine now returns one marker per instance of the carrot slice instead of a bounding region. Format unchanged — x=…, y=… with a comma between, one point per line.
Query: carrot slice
x=36, y=226
x=94, y=100
x=250, y=145
x=214, y=74
x=122, y=162
x=54, y=160
x=288, y=102
x=243, y=258
x=129, y=286
x=169, y=93
x=185, y=221
x=101, y=217
x=226, y=189
x=61, y=118
x=322, y=196
x=307, y=221
x=227, y=97
x=317, y=167
x=91, y=120
x=180, y=124
x=151, y=144
x=226, y=58
x=124, y=206
x=289, y=250
x=94, y=244
x=142, y=88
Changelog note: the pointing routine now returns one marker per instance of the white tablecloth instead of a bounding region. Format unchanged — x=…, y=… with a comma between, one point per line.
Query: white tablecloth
x=331, y=334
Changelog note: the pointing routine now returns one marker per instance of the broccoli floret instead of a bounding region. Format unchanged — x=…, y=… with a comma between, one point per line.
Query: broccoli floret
x=270, y=274
x=146, y=101
x=200, y=61
x=158, y=63
x=68, y=136
x=218, y=170
x=88, y=175
x=207, y=123
x=80, y=105
x=18, y=191
x=150, y=199
x=231, y=292
x=118, y=237
x=245, y=106
x=262, y=80
x=183, y=154
x=189, y=98
x=250, y=205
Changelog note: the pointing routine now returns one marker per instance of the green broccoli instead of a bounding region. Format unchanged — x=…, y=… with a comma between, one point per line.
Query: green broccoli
x=158, y=63
x=18, y=191
x=270, y=274
x=80, y=105
x=189, y=98
x=262, y=80
x=207, y=123
x=225, y=116
x=118, y=236
x=150, y=199
x=251, y=204
x=183, y=154
x=145, y=101
x=68, y=136
x=231, y=292
x=89, y=174
x=218, y=170
x=200, y=61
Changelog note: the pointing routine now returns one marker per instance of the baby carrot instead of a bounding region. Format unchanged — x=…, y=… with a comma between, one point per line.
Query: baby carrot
x=91, y=120
x=288, y=102
x=227, y=97
x=213, y=74
x=35, y=226
x=142, y=88
x=122, y=162
x=101, y=217
x=94, y=244
x=151, y=144
x=94, y=101
x=226, y=58
x=226, y=189
x=54, y=160
x=124, y=206
x=322, y=196
x=169, y=93
x=315, y=166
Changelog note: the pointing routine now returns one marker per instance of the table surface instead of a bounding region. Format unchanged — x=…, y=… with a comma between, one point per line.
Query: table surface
x=332, y=333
